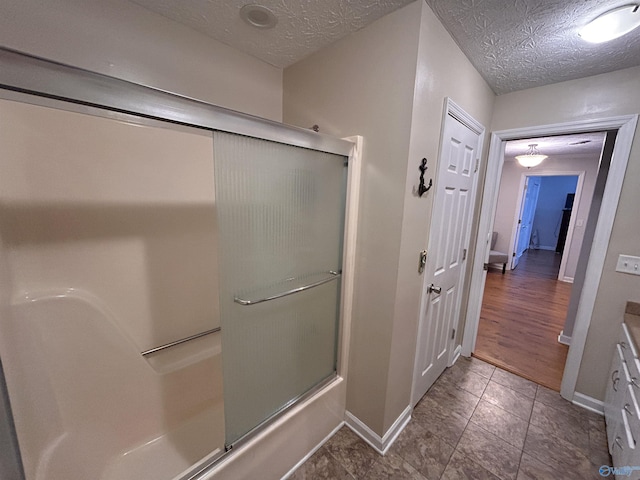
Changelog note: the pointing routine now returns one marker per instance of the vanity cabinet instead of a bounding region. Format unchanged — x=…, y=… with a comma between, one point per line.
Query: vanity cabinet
x=621, y=408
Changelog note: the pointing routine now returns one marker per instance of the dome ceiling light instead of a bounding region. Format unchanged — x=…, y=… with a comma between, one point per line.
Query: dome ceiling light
x=612, y=24
x=531, y=158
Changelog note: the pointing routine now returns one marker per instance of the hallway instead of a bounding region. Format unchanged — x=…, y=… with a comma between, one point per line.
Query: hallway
x=523, y=312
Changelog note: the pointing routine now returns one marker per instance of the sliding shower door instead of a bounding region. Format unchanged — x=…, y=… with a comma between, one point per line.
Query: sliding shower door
x=281, y=216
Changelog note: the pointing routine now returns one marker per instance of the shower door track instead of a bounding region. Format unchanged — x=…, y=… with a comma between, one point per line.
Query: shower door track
x=197, y=472
x=278, y=413
x=24, y=73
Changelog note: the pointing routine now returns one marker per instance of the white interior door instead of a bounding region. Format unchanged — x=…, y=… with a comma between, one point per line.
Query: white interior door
x=525, y=219
x=446, y=260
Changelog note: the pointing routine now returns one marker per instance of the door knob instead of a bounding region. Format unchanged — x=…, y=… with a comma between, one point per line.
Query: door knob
x=433, y=289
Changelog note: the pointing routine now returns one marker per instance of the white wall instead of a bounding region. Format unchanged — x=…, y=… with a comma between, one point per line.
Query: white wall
x=124, y=40
x=600, y=96
x=508, y=198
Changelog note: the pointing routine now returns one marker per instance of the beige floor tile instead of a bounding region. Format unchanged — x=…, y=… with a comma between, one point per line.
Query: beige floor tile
x=393, y=467
x=515, y=430
x=557, y=423
x=439, y=420
x=453, y=398
x=321, y=465
x=426, y=452
x=514, y=382
x=465, y=379
x=461, y=467
x=490, y=452
x=510, y=428
x=559, y=454
x=508, y=399
x=353, y=453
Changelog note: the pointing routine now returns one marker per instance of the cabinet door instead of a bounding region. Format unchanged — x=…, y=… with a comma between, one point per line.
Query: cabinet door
x=623, y=449
x=618, y=380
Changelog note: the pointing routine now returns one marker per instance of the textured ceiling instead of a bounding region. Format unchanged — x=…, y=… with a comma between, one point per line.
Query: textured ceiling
x=518, y=44
x=514, y=44
x=303, y=26
x=583, y=144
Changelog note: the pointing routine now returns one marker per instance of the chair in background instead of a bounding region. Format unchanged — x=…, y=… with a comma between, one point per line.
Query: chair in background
x=495, y=256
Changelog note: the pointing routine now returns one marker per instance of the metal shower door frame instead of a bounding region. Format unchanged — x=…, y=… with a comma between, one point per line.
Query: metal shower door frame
x=44, y=82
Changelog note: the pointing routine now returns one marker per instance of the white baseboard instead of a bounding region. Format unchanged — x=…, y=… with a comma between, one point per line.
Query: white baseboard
x=313, y=450
x=546, y=247
x=379, y=444
x=563, y=339
x=567, y=279
x=589, y=403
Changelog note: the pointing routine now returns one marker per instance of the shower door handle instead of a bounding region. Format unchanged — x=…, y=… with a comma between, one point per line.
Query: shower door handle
x=331, y=276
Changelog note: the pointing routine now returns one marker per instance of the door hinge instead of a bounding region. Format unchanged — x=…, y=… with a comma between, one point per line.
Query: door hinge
x=464, y=254
x=477, y=164
x=519, y=221
x=423, y=261
x=513, y=254
x=453, y=334
x=485, y=267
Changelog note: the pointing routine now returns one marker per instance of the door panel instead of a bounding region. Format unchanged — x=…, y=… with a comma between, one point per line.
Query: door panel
x=525, y=219
x=446, y=262
x=281, y=217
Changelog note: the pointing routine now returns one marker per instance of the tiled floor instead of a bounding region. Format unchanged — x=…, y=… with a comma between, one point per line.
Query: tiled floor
x=476, y=422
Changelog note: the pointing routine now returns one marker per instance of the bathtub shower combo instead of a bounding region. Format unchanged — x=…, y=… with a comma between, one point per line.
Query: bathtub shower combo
x=170, y=274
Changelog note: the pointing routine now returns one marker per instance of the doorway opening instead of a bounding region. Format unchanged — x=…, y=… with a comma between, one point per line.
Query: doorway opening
x=551, y=207
x=542, y=214
x=620, y=132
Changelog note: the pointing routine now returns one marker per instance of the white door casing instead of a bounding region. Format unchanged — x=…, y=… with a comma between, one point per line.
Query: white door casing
x=572, y=225
x=460, y=148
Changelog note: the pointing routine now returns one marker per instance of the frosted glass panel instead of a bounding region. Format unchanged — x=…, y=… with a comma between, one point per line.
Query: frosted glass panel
x=281, y=216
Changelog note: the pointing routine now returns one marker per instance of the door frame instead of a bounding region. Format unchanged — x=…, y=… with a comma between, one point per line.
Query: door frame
x=453, y=110
x=626, y=126
x=572, y=220
x=516, y=228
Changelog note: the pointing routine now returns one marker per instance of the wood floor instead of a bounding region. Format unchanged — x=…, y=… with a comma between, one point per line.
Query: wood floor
x=523, y=311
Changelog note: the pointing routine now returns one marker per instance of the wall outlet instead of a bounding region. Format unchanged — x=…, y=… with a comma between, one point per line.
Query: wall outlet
x=628, y=264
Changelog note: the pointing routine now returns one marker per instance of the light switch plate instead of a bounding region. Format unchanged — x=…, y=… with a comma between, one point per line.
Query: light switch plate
x=628, y=264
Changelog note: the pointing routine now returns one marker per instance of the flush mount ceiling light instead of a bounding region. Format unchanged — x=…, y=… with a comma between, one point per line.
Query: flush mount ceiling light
x=612, y=24
x=531, y=158
x=258, y=16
